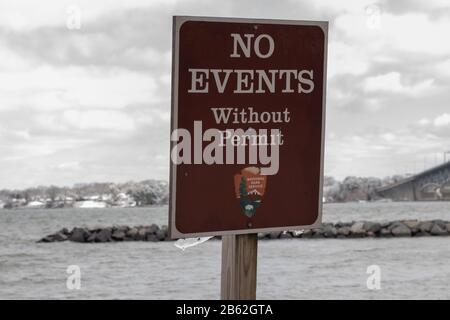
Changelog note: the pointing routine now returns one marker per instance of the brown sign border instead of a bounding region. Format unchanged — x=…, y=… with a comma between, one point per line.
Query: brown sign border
x=177, y=23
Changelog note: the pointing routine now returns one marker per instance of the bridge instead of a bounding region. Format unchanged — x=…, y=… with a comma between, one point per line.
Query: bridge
x=431, y=184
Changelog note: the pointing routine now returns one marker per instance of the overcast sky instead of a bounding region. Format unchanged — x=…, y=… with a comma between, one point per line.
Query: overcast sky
x=94, y=104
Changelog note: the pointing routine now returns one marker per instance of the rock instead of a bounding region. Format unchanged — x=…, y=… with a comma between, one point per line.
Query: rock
x=141, y=234
x=261, y=235
x=160, y=235
x=421, y=234
x=341, y=224
x=153, y=228
x=373, y=227
x=330, y=231
x=357, y=227
x=64, y=231
x=437, y=230
x=344, y=231
x=91, y=237
x=317, y=233
x=286, y=235
x=297, y=233
x=118, y=235
x=412, y=224
x=425, y=226
x=123, y=229
x=440, y=223
x=357, y=235
x=385, y=224
x=94, y=230
x=104, y=235
x=448, y=227
x=274, y=235
x=348, y=224
x=132, y=232
x=357, y=230
x=401, y=230
x=79, y=235
x=151, y=237
x=46, y=239
x=307, y=233
x=394, y=224
x=385, y=233
x=317, y=236
x=57, y=237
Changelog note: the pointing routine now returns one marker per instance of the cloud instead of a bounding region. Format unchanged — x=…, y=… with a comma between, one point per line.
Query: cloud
x=105, y=41
x=73, y=165
x=393, y=82
x=442, y=120
x=410, y=32
x=346, y=59
x=408, y=6
x=438, y=125
x=424, y=122
x=98, y=99
x=50, y=88
x=25, y=15
x=388, y=153
x=99, y=120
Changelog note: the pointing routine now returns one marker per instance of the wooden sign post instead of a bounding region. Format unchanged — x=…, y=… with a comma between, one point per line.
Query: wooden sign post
x=247, y=135
x=239, y=262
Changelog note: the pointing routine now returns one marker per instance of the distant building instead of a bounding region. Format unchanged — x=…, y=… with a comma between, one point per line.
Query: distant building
x=122, y=196
x=124, y=200
x=36, y=204
x=432, y=184
x=106, y=197
x=90, y=204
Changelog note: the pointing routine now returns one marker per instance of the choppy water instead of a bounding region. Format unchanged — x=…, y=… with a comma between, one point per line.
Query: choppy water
x=411, y=268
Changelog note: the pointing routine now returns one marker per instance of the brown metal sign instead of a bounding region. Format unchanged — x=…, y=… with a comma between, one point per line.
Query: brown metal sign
x=248, y=114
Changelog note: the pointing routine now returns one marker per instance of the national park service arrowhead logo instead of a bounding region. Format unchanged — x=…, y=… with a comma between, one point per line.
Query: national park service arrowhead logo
x=250, y=186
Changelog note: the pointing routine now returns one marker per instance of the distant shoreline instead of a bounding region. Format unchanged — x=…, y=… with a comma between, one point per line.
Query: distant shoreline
x=83, y=208
x=166, y=204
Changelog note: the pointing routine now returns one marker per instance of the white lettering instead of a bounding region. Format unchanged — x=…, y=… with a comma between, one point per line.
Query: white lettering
x=271, y=46
x=198, y=80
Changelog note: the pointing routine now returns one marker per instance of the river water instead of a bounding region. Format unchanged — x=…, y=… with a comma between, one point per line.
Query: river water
x=411, y=268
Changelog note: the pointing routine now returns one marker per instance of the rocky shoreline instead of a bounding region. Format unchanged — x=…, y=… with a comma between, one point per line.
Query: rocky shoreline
x=359, y=229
